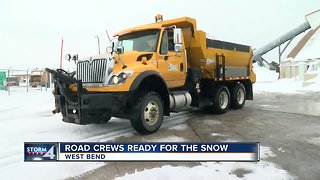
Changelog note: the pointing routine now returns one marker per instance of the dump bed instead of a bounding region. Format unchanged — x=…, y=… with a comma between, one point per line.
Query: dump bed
x=220, y=60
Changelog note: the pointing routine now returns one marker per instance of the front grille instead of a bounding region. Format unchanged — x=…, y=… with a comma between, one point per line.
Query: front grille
x=91, y=72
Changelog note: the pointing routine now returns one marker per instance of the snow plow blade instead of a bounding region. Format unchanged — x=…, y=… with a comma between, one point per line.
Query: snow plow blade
x=80, y=106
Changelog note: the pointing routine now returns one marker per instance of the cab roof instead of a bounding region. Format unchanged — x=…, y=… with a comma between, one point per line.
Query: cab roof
x=179, y=22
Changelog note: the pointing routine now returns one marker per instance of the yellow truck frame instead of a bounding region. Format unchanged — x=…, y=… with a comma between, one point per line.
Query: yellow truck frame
x=152, y=70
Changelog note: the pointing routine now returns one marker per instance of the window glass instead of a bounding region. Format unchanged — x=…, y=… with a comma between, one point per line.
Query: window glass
x=170, y=40
x=164, y=43
x=128, y=45
x=142, y=41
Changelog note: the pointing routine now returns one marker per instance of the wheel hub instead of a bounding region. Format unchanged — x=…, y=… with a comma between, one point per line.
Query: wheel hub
x=223, y=100
x=151, y=113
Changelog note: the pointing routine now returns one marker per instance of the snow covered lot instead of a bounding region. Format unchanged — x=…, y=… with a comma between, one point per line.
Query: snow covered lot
x=27, y=117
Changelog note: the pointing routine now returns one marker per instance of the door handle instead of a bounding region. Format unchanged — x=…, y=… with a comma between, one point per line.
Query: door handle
x=181, y=66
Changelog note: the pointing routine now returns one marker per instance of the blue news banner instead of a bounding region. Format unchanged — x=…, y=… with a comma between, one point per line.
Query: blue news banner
x=112, y=151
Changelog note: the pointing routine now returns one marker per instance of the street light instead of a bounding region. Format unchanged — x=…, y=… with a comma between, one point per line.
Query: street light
x=97, y=37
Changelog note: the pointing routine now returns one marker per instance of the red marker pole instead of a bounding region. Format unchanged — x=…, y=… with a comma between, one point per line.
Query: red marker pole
x=61, y=54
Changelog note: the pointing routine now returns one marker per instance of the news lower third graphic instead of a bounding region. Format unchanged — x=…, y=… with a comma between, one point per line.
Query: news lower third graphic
x=112, y=151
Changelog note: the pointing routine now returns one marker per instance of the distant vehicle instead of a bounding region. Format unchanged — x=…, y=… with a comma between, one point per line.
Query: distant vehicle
x=38, y=78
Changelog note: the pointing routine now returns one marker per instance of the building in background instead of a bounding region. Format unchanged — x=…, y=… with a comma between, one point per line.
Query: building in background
x=303, y=62
x=12, y=81
x=38, y=78
x=22, y=78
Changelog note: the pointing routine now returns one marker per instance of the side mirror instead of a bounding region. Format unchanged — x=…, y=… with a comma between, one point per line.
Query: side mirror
x=177, y=39
x=75, y=57
x=177, y=36
x=120, y=49
x=67, y=57
x=178, y=47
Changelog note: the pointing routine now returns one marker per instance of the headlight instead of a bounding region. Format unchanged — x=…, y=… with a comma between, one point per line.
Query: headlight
x=115, y=80
x=120, y=77
x=109, y=49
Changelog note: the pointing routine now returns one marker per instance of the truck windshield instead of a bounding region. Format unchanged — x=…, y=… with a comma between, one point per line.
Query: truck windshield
x=142, y=41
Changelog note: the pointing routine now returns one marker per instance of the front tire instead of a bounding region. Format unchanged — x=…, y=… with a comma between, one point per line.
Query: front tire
x=147, y=114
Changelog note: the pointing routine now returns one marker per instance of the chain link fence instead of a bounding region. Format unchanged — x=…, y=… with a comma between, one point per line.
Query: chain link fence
x=20, y=80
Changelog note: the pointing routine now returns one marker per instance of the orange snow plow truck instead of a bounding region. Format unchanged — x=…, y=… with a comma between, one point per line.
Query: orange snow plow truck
x=152, y=70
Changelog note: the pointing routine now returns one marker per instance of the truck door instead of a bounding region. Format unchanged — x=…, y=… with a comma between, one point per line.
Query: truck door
x=171, y=64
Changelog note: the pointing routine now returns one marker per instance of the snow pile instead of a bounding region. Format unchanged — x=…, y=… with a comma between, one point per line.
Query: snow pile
x=280, y=86
x=288, y=86
x=315, y=83
x=28, y=118
x=267, y=81
x=263, y=74
x=210, y=170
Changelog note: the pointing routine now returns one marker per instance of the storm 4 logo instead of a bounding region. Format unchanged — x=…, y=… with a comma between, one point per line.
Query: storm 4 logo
x=40, y=152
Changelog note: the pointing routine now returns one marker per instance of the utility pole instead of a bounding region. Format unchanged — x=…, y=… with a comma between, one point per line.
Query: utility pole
x=61, y=53
x=8, y=79
x=27, y=80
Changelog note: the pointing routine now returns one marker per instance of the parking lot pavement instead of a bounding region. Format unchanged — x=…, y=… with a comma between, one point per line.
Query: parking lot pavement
x=288, y=124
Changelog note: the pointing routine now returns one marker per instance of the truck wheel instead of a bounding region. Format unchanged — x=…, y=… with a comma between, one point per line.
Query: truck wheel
x=147, y=114
x=221, y=100
x=238, y=96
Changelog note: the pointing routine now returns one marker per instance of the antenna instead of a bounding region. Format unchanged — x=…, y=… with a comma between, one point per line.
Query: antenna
x=108, y=36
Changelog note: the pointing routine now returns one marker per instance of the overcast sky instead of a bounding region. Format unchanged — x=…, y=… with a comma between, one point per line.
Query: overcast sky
x=31, y=31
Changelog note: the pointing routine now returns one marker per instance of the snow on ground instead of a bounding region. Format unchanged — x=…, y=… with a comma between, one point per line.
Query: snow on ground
x=28, y=118
x=180, y=127
x=171, y=139
x=267, y=81
x=314, y=140
x=216, y=170
x=315, y=83
x=289, y=86
x=218, y=135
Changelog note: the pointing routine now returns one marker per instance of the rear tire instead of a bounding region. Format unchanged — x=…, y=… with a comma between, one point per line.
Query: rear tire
x=147, y=114
x=220, y=100
x=238, y=96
